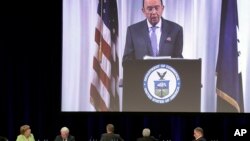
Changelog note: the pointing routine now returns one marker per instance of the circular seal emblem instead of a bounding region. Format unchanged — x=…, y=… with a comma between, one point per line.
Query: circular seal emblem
x=161, y=83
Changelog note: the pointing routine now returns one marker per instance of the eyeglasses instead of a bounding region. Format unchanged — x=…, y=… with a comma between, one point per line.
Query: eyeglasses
x=151, y=8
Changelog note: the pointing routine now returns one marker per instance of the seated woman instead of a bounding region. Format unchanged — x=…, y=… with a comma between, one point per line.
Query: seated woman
x=25, y=134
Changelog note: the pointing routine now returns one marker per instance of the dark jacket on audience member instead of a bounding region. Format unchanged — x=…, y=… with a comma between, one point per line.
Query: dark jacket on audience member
x=111, y=137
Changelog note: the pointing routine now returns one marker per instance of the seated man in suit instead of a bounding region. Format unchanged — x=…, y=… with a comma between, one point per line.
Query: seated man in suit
x=64, y=135
x=110, y=135
x=198, y=134
x=146, y=136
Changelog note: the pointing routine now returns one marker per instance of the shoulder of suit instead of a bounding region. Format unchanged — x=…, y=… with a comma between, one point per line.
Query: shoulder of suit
x=117, y=135
x=105, y=134
x=171, y=23
x=138, y=24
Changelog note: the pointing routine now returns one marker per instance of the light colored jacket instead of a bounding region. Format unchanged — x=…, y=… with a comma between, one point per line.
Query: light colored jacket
x=23, y=138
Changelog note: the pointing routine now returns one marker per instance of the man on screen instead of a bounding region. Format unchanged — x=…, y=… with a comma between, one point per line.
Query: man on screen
x=154, y=36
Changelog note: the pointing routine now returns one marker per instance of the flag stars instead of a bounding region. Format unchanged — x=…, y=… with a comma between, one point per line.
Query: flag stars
x=112, y=21
x=239, y=53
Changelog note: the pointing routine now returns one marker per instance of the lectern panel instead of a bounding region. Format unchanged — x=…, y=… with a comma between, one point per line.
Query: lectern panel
x=171, y=85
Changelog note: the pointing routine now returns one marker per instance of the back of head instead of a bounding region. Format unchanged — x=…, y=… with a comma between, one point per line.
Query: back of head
x=146, y=132
x=110, y=128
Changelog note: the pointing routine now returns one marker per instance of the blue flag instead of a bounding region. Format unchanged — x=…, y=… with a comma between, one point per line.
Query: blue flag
x=229, y=89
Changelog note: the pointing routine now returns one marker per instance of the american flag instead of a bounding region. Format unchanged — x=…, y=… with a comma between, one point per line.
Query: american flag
x=104, y=86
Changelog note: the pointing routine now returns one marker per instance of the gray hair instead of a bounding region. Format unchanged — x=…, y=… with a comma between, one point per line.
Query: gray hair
x=146, y=132
x=65, y=129
x=199, y=129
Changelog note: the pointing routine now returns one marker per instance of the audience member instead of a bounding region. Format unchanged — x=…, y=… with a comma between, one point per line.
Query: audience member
x=64, y=135
x=146, y=136
x=110, y=135
x=198, y=134
x=25, y=134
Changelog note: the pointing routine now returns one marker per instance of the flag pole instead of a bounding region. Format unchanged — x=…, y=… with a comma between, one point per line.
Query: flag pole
x=100, y=39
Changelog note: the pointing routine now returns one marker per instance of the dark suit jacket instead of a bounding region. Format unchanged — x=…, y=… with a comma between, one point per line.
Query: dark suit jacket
x=59, y=138
x=151, y=138
x=201, y=139
x=3, y=138
x=138, y=41
x=111, y=137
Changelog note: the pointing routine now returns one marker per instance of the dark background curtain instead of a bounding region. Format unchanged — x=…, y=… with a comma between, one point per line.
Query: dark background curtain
x=30, y=90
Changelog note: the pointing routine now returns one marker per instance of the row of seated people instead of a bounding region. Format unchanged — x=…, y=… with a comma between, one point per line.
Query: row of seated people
x=146, y=135
x=26, y=135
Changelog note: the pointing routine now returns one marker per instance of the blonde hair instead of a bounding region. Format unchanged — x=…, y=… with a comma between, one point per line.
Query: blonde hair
x=24, y=128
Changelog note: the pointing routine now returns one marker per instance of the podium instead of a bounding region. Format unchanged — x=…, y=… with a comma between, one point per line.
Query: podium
x=169, y=85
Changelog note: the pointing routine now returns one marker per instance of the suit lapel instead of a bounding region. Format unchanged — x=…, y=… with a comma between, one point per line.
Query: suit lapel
x=164, y=35
x=146, y=37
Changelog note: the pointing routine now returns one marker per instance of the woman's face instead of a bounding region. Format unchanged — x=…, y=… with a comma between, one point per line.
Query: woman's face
x=27, y=132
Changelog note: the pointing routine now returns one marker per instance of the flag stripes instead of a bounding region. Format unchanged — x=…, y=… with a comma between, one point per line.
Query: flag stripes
x=97, y=100
x=103, y=89
x=102, y=75
x=105, y=46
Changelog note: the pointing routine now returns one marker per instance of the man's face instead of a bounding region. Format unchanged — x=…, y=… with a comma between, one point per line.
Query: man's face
x=64, y=134
x=153, y=9
x=196, y=134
